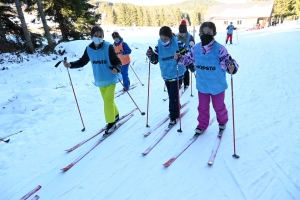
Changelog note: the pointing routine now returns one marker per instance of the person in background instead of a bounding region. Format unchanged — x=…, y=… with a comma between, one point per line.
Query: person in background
x=230, y=29
x=187, y=41
x=123, y=51
x=212, y=62
x=106, y=66
x=164, y=55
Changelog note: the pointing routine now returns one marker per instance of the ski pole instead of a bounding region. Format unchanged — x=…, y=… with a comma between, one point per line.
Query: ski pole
x=179, y=130
x=9, y=136
x=2, y=140
x=192, y=84
x=237, y=37
x=136, y=74
x=65, y=60
x=233, y=125
x=164, y=87
x=132, y=68
x=142, y=113
x=147, y=125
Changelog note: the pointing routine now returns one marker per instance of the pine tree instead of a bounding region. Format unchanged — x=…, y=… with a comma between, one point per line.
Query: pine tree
x=146, y=17
x=30, y=47
x=73, y=17
x=46, y=28
x=139, y=14
x=195, y=18
x=121, y=15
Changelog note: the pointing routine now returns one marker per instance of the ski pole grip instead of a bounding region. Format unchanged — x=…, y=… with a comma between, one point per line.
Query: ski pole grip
x=178, y=56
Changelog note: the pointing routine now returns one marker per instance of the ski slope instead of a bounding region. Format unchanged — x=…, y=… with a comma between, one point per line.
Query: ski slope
x=37, y=99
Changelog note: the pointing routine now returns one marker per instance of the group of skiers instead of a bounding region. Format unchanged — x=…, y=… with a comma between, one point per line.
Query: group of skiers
x=176, y=55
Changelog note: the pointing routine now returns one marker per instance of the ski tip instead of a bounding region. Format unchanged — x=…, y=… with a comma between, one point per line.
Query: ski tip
x=167, y=164
x=143, y=113
x=7, y=141
x=82, y=130
x=67, y=167
x=64, y=169
x=210, y=163
x=144, y=153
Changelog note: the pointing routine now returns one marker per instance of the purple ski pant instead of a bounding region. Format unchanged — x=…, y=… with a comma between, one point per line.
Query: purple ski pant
x=218, y=105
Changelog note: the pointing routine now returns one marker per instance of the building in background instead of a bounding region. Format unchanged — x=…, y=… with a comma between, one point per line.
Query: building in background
x=246, y=15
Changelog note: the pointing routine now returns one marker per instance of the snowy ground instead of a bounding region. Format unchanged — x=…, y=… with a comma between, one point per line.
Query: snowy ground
x=37, y=99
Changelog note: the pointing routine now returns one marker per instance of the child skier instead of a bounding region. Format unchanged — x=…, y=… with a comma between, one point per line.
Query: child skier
x=212, y=61
x=187, y=41
x=164, y=54
x=106, y=66
x=123, y=51
x=230, y=29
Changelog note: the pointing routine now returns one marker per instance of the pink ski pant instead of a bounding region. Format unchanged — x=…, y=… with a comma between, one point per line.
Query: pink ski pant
x=218, y=105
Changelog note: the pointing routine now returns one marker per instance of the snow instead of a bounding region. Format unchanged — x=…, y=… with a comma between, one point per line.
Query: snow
x=37, y=99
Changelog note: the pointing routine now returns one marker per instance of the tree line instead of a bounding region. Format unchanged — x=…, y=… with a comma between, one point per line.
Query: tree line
x=76, y=17
x=286, y=9
x=132, y=15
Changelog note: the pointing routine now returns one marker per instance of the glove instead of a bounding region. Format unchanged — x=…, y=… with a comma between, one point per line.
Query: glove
x=230, y=66
x=115, y=67
x=149, y=53
x=191, y=67
x=183, y=51
x=122, y=52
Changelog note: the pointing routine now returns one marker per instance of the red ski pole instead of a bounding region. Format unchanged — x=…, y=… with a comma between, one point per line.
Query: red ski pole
x=65, y=59
x=142, y=113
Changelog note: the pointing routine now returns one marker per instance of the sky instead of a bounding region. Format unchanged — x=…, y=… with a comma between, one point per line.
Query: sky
x=37, y=99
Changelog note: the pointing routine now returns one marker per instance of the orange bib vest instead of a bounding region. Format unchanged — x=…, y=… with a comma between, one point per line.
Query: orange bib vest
x=125, y=59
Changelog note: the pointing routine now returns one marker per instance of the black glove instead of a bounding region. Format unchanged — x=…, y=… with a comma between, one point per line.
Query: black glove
x=150, y=53
x=191, y=67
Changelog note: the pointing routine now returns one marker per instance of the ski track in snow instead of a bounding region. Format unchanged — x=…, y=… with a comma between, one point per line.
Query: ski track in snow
x=38, y=100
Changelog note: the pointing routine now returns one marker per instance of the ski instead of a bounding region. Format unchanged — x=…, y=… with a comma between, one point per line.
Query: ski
x=191, y=141
x=162, y=122
x=100, y=131
x=162, y=135
x=123, y=92
x=215, y=148
x=31, y=192
x=179, y=95
x=100, y=140
x=36, y=197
